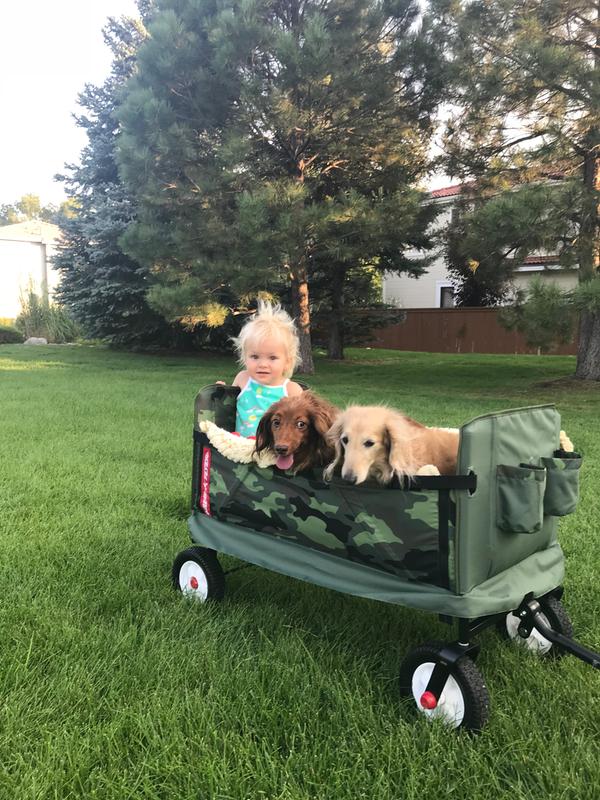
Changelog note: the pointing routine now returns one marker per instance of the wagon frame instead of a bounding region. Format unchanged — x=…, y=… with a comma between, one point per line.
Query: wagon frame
x=479, y=548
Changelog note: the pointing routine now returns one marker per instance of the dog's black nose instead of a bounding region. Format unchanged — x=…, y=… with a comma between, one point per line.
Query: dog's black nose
x=349, y=476
x=281, y=449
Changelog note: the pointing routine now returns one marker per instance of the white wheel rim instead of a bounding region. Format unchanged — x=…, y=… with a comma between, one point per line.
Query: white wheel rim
x=535, y=642
x=451, y=705
x=193, y=581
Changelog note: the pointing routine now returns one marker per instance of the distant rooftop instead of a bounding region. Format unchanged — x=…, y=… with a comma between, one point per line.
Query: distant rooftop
x=448, y=191
x=32, y=230
x=551, y=259
x=457, y=188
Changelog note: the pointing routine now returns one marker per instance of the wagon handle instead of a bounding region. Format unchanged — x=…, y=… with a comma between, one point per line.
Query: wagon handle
x=529, y=613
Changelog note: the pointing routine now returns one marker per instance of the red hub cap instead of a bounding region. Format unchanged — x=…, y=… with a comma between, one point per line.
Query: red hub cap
x=194, y=583
x=428, y=700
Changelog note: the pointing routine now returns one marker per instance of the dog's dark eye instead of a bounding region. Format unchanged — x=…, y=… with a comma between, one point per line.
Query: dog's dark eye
x=300, y=424
x=276, y=423
x=344, y=440
x=369, y=443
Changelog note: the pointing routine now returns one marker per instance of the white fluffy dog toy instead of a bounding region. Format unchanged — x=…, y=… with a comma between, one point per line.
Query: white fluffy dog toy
x=236, y=448
x=565, y=443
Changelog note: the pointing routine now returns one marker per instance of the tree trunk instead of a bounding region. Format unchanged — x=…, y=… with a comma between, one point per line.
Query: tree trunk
x=301, y=311
x=588, y=350
x=335, y=344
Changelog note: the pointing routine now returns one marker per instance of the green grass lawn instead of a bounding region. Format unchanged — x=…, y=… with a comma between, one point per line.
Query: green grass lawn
x=113, y=687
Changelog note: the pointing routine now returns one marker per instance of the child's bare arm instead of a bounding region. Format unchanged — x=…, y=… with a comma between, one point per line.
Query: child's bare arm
x=294, y=389
x=239, y=380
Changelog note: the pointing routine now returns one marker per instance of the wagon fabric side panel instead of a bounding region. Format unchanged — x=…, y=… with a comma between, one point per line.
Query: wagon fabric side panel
x=216, y=403
x=390, y=530
x=499, y=594
x=503, y=522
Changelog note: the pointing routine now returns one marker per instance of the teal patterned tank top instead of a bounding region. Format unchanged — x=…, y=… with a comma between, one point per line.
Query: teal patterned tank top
x=252, y=402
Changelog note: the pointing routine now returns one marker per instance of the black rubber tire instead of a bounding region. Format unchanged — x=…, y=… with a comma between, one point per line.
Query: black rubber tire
x=209, y=564
x=557, y=617
x=469, y=679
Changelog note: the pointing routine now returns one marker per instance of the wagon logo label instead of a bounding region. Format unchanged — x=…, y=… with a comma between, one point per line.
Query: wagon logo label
x=205, y=481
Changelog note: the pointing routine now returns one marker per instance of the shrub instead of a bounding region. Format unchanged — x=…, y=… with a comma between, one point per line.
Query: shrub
x=49, y=320
x=10, y=335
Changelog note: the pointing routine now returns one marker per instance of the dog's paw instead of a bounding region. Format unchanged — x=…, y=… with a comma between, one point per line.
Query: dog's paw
x=428, y=469
x=565, y=443
x=328, y=472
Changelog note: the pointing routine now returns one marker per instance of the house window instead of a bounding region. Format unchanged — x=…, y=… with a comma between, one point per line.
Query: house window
x=444, y=294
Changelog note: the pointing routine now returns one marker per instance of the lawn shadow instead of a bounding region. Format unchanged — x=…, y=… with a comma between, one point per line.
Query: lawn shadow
x=375, y=634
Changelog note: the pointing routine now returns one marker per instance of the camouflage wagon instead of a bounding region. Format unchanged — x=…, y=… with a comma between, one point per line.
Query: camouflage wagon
x=478, y=548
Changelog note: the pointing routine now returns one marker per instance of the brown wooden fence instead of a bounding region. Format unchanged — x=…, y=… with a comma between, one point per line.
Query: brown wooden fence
x=456, y=330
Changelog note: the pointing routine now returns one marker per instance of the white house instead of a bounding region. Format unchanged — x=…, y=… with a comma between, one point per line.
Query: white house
x=25, y=252
x=435, y=289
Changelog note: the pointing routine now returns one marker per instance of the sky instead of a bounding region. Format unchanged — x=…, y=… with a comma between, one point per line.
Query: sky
x=48, y=52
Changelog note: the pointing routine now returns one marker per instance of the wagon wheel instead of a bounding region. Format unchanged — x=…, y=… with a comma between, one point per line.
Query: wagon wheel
x=463, y=702
x=197, y=573
x=553, y=614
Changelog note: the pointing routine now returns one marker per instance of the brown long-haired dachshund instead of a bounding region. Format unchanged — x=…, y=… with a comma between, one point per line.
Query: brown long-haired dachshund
x=295, y=429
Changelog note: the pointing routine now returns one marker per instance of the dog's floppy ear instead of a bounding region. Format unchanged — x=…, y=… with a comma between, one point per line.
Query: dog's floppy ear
x=264, y=434
x=401, y=457
x=333, y=438
x=322, y=413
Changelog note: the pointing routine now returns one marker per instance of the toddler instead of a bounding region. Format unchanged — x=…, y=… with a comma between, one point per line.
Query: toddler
x=268, y=348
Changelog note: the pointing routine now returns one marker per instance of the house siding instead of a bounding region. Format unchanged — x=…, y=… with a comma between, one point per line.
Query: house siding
x=565, y=280
x=26, y=260
x=407, y=292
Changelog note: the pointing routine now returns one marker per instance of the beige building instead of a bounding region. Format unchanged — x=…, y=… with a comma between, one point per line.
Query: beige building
x=435, y=289
x=26, y=249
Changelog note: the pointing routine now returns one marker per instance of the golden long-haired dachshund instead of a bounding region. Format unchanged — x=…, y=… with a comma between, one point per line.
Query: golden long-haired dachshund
x=378, y=442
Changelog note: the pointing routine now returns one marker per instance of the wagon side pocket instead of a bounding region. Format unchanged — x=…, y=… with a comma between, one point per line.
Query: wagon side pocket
x=562, y=483
x=520, y=506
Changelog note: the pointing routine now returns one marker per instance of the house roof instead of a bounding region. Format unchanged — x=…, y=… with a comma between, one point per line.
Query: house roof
x=32, y=230
x=551, y=259
x=448, y=191
x=455, y=189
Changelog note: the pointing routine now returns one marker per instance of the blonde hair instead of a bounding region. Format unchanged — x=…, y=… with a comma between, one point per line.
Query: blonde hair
x=270, y=322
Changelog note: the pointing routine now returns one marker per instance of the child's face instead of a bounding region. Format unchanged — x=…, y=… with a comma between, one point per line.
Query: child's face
x=266, y=361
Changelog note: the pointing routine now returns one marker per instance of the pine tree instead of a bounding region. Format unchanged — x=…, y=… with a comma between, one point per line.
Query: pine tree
x=270, y=140
x=526, y=89
x=104, y=288
x=490, y=233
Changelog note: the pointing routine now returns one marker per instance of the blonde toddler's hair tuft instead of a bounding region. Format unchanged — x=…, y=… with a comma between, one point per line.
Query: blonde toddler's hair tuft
x=270, y=322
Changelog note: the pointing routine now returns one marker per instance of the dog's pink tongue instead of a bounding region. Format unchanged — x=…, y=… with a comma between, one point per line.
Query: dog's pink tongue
x=284, y=462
